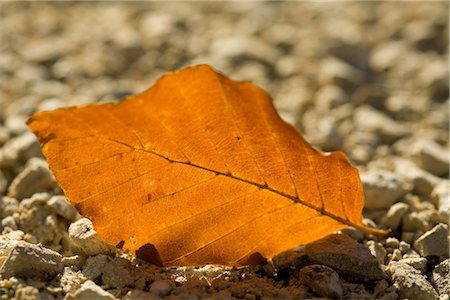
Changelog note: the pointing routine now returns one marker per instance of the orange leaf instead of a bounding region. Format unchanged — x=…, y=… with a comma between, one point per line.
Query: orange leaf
x=198, y=169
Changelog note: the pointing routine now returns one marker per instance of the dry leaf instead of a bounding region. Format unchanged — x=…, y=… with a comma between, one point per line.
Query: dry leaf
x=198, y=169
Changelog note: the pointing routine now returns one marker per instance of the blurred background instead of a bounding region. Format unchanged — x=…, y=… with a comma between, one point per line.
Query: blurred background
x=356, y=76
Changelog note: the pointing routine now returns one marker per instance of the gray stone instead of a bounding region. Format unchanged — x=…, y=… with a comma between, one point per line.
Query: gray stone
x=29, y=261
x=372, y=120
x=434, y=242
x=352, y=261
x=89, y=290
x=117, y=273
x=431, y=156
x=18, y=150
x=440, y=277
x=422, y=181
x=85, y=240
x=381, y=189
x=34, y=178
x=329, y=97
x=162, y=288
x=337, y=72
x=322, y=280
x=94, y=266
x=418, y=263
x=393, y=217
x=410, y=282
x=63, y=208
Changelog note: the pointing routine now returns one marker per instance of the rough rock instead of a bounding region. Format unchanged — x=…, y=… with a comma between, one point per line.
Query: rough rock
x=372, y=120
x=89, y=290
x=117, y=273
x=351, y=260
x=94, y=266
x=18, y=150
x=410, y=282
x=162, y=288
x=381, y=189
x=434, y=242
x=85, y=240
x=27, y=260
x=71, y=280
x=393, y=217
x=440, y=277
x=422, y=181
x=337, y=72
x=27, y=293
x=418, y=263
x=34, y=178
x=377, y=250
x=441, y=197
x=431, y=156
x=323, y=280
x=63, y=208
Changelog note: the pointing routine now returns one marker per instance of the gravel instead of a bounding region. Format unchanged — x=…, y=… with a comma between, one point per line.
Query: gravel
x=368, y=78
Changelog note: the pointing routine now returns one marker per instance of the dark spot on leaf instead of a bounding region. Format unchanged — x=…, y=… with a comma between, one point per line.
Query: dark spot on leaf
x=238, y=138
x=120, y=244
x=255, y=258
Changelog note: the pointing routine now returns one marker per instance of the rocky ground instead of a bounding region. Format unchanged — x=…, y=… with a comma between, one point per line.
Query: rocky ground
x=368, y=78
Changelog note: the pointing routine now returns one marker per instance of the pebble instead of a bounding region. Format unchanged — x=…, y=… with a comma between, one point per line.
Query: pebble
x=386, y=55
x=410, y=282
x=162, y=288
x=434, y=242
x=85, y=240
x=352, y=261
x=441, y=197
x=26, y=260
x=431, y=156
x=440, y=277
x=322, y=280
x=418, y=263
x=117, y=273
x=93, y=269
x=337, y=72
x=329, y=97
x=63, y=208
x=27, y=293
x=393, y=217
x=375, y=121
x=381, y=189
x=34, y=178
x=377, y=250
x=18, y=150
x=89, y=290
x=422, y=181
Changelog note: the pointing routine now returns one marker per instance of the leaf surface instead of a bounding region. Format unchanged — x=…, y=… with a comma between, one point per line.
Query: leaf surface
x=198, y=169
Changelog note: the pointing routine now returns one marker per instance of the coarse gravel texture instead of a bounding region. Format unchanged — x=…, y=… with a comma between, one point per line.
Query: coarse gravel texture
x=369, y=78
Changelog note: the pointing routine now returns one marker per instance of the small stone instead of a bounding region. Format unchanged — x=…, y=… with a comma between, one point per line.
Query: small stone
x=18, y=150
x=410, y=282
x=392, y=242
x=411, y=253
x=337, y=72
x=372, y=120
x=117, y=273
x=85, y=240
x=9, y=206
x=393, y=217
x=63, y=208
x=386, y=55
x=322, y=280
x=396, y=255
x=16, y=124
x=352, y=261
x=34, y=178
x=431, y=156
x=422, y=181
x=290, y=259
x=440, y=277
x=404, y=247
x=94, y=266
x=441, y=197
x=329, y=97
x=22, y=259
x=162, y=288
x=89, y=290
x=418, y=263
x=71, y=280
x=27, y=293
x=381, y=189
x=377, y=250
x=434, y=242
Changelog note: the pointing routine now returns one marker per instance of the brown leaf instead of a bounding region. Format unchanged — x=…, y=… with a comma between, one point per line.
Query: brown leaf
x=198, y=169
